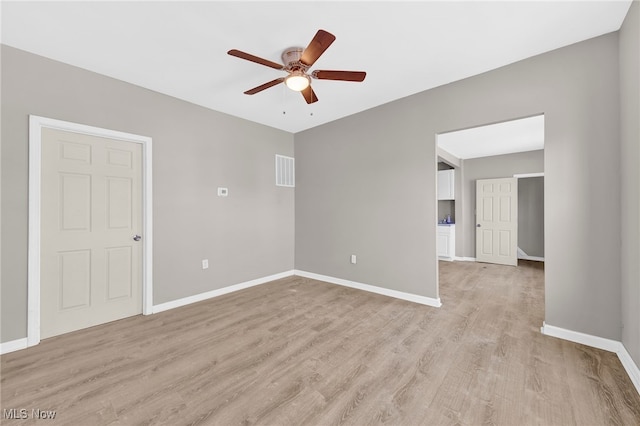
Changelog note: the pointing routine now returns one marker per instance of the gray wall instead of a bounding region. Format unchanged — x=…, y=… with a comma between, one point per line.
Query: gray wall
x=498, y=166
x=531, y=216
x=630, y=182
x=367, y=182
x=248, y=235
x=356, y=182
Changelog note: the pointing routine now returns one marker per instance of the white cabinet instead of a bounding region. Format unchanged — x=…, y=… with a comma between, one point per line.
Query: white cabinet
x=446, y=242
x=446, y=180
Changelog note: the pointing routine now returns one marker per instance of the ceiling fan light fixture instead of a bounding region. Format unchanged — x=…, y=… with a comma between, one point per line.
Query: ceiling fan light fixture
x=297, y=81
x=296, y=62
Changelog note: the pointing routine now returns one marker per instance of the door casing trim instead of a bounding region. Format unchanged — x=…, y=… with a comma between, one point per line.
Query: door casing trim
x=36, y=124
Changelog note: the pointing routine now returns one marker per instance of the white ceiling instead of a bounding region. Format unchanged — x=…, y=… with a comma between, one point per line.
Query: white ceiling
x=526, y=134
x=180, y=48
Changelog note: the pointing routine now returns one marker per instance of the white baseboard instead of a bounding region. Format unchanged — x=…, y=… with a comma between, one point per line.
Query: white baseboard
x=13, y=345
x=600, y=343
x=423, y=300
x=577, y=337
x=218, y=292
x=524, y=256
x=631, y=368
x=534, y=258
x=473, y=259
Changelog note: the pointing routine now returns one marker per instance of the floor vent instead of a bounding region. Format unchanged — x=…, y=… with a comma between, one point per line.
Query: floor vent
x=285, y=171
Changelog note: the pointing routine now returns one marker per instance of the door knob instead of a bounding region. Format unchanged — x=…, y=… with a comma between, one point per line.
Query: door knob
x=478, y=225
x=137, y=238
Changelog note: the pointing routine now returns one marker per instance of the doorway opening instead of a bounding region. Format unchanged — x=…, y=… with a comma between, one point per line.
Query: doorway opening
x=510, y=149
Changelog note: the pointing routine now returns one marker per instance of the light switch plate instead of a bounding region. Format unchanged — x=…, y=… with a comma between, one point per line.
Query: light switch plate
x=223, y=192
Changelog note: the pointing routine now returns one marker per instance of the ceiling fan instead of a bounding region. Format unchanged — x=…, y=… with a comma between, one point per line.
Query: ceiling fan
x=297, y=62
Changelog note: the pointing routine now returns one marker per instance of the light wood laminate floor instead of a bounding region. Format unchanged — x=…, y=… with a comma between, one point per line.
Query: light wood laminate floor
x=299, y=351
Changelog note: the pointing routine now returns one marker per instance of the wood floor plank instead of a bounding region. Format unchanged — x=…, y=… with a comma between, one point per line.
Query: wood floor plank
x=300, y=351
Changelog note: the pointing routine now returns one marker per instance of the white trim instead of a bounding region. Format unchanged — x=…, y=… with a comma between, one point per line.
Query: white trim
x=600, y=343
x=528, y=175
x=446, y=156
x=33, y=259
x=577, y=337
x=524, y=256
x=218, y=292
x=631, y=368
x=13, y=345
x=423, y=300
x=36, y=124
x=464, y=259
x=147, y=228
x=534, y=258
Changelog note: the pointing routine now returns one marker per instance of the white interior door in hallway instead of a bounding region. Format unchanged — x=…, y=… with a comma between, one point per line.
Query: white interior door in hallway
x=91, y=254
x=497, y=221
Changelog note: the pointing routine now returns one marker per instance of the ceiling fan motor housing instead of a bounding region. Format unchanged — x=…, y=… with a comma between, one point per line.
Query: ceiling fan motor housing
x=291, y=59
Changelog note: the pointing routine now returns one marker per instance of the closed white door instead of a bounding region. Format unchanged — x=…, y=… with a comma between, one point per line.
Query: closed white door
x=497, y=221
x=91, y=254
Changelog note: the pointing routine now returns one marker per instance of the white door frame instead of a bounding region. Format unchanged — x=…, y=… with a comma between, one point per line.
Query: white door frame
x=36, y=124
x=528, y=175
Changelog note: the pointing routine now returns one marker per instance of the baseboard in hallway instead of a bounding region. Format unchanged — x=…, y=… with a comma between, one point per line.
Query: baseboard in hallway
x=600, y=343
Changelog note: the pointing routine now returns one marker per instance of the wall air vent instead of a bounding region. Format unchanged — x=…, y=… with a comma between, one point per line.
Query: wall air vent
x=285, y=171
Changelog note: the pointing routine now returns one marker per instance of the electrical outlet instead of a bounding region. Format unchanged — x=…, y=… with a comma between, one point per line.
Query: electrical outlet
x=223, y=192
x=354, y=260
x=205, y=263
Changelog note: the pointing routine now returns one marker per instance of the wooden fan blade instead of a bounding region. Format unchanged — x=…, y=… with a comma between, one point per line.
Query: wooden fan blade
x=264, y=86
x=309, y=95
x=249, y=57
x=339, y=75
x=321, y=41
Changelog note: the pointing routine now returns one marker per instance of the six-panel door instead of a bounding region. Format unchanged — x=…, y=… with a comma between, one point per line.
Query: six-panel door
x=497, y=221
x=91, y=210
